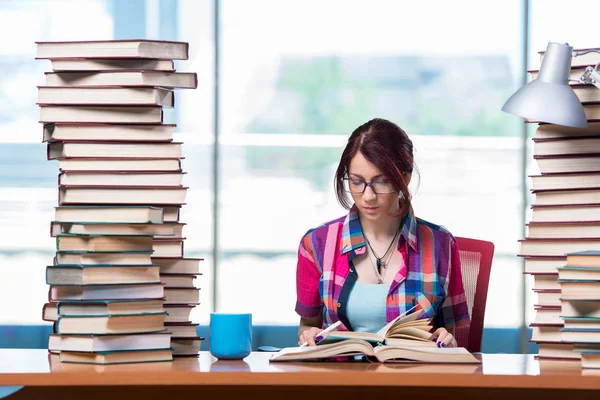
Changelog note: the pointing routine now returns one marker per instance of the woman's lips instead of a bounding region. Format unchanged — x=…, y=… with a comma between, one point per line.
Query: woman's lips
x=370, y=210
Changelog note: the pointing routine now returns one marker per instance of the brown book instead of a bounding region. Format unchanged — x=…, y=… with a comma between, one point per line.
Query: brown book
x=122, y=195
x=557, y=351
x=556, y=247
x=577, y=273
x=109, y=64
x=89, y=132
x=590, y=258
x=552, y=131
x=110, y=325
x=563, y=146
x=109, y=214
x=185, y=346
x=127, y=48
x=178, y=280
x=120, y=178
x=182, y=330
x=575, y=163
x=548, y=297
x=577, y=289
x=112, y=229
x=546, y=333
x=544, y=281
x=569, y=181
x=83, y=343
x=105, y=96
x=178, y=265
x=112, y=243
x=110, y=307
x=178, y=312
x=119, y=164
x=101, y=114
x=70, y=149
x=166, y=247
x=564, y=229
x=116, y=357
x=50, y=312
x=565, y=213
x=171, y=80
x=102, y=275
x=548, y=315
x=567, y=197
x=546, y=265
x=182, y=296
x=171, y=212
x=98, y=258
x=106, y=292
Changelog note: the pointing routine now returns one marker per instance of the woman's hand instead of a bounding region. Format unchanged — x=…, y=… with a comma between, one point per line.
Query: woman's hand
x=443, y=338
x=308, y=335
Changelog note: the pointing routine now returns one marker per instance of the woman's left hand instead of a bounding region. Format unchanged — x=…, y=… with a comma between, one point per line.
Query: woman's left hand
x=443, y=338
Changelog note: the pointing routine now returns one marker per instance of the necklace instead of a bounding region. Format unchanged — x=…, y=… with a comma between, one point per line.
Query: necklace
x=380, y=263
x=380, y=277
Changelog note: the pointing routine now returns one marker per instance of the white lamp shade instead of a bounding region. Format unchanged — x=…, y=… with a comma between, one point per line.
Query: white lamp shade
x=549, y=98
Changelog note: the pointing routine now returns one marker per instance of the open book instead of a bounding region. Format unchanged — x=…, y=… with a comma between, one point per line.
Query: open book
x=380, y=353
x=404, y=330
x=404, y=339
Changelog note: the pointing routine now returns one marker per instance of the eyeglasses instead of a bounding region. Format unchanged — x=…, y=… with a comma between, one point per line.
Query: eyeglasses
x=358, y=186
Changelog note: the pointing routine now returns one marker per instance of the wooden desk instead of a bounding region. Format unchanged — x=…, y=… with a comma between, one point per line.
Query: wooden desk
x=499, y=376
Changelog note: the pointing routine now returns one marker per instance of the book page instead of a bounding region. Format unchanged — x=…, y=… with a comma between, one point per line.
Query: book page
x=404, y=317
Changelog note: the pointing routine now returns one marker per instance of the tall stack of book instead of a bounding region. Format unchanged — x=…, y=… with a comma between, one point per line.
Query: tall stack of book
x=565, y=222
x=121, y=289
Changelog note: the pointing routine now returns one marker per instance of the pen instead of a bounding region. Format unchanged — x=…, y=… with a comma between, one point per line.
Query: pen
x=329, y=329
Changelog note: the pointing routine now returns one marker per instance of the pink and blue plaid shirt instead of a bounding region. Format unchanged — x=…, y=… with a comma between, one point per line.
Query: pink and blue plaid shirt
x=430, y=275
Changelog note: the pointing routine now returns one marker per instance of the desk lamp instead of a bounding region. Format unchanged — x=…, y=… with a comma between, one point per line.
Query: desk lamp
x=549, y=98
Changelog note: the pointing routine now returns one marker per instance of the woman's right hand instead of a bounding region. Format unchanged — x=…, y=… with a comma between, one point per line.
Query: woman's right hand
x=308, y=335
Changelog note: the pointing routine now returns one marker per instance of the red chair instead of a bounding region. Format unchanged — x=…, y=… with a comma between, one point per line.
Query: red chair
x=476, y=264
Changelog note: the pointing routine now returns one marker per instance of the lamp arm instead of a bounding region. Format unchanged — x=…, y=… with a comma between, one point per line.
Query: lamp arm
x=591, y=76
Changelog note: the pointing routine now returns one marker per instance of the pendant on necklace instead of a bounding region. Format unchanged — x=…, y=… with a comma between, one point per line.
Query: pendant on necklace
x=379, y=281
x=380, y=264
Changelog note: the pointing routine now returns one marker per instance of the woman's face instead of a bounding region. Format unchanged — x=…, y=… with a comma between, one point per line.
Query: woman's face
x=371, y=205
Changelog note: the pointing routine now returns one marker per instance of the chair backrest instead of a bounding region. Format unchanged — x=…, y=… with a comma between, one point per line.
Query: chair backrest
x=476, y=264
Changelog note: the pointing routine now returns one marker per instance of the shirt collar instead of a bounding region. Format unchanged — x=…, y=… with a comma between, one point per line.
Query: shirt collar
x=353, y=238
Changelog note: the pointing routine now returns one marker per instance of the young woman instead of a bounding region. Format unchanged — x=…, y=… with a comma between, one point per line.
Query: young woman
x=378, y=261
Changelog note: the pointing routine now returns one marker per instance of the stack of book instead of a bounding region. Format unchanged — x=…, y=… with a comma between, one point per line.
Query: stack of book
x=121, y=289
x=565, y=221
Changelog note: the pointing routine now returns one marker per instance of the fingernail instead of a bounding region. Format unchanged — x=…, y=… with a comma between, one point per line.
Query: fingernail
x=319, y=338
x=438, y=344
x=443, y=344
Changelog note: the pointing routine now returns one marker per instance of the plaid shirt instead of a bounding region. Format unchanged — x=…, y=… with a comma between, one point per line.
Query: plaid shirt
x=430, y=275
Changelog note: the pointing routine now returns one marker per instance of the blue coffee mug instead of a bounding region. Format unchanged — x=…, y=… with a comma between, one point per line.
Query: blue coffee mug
x=230, y=335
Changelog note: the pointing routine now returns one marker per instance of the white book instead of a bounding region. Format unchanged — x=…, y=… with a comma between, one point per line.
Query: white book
x=108, y=214
x=108, y=95
x=182, y=80
x=106, y=292
x=113, y=150
x=108, y=132
x=120, y=178
x=115, y=195
x=98, y=114
x=129, y=48
x=107, y=64
x=145, y=341
x=119, y=164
